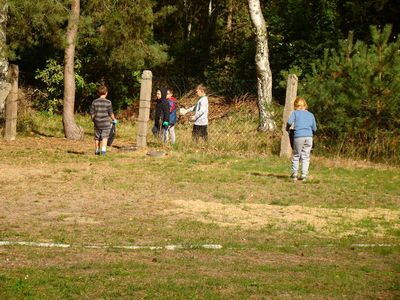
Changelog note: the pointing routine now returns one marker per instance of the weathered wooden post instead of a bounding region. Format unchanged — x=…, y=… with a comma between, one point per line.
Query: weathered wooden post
x=291, y=94
x=144, y=108
x=10, y=131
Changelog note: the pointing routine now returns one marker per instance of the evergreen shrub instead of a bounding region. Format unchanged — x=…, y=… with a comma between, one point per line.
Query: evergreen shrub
x=354, y=93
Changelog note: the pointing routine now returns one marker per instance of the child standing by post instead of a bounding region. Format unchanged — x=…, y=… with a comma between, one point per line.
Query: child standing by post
x=200, y=117
x=170, y=131
x=101, y=111
x=161, y=118
x=304, y=129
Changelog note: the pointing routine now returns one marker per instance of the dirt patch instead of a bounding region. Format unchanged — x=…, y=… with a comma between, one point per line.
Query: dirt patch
x=257, y=216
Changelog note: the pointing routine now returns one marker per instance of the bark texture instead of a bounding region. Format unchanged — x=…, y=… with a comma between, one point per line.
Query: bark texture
x=5, y=86
x=264, y=75
x=71, y=130
x=10, y=131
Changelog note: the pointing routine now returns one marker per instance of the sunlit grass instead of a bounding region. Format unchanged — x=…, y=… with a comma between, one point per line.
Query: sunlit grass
x=280, y=239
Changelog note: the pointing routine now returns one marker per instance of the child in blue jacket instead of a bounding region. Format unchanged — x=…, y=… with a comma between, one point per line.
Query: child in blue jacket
x=305, y=127
x=169, y=132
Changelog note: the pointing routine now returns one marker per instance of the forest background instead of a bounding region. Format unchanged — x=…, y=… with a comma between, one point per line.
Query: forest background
x=346, y=54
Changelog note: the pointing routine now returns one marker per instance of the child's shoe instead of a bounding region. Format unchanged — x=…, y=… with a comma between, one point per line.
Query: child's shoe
x=303, y=178
x=103, y=153
x=97, y=152
x=293, y=177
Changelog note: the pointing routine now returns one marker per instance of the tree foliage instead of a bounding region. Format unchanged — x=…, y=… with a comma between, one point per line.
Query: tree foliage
x=355, y=91
x=213, y=42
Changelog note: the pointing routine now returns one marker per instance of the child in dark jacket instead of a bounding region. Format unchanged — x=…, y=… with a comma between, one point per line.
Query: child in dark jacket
x=169, y=133
x=161, y=119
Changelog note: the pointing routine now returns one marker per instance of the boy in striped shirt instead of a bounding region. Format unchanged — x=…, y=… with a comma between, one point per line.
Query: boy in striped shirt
x=101, y=111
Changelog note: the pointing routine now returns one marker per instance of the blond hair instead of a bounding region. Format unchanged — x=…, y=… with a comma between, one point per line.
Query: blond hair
x=300, y=103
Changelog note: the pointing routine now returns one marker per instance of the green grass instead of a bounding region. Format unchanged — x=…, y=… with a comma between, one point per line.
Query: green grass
x=280, y=239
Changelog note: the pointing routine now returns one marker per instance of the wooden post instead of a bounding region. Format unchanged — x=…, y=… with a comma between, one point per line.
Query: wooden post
x=144, y=108
x=291, y=94
x=12, y=105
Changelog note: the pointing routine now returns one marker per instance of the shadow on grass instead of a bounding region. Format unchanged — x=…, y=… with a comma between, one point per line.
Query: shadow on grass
x=76, y=152
x=279, y=176
x=284, y=177
x=35, y=131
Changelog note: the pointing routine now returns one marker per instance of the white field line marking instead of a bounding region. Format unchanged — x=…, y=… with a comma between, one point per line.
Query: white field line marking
x=167, y=247
x=128, y=247
x=34, y=244
x=374, y=245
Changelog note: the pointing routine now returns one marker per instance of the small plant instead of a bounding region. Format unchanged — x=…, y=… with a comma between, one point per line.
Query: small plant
x=52, y=76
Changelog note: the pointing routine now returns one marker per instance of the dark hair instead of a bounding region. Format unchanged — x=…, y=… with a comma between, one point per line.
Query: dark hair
x=102, y=90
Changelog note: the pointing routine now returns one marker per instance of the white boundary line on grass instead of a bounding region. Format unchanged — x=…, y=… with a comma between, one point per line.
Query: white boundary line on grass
x=130, y=247
x=373, y=245
x=167, y=247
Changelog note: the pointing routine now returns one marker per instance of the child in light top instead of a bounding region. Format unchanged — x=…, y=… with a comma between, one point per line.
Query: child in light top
x=304, y=129
x=200, y=117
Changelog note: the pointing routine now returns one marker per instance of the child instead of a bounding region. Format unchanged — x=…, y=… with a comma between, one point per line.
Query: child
x=200, y=117
x=101, y=111
x=304, y=128
x=161, y=117
x=170, y=131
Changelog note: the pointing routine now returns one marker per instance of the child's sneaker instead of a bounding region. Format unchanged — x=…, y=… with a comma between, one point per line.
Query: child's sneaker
x=97, y=152
x=103, y=152
x=293, y=177
x=303, y=178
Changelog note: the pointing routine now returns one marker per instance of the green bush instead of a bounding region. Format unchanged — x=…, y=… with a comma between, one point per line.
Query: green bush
x=52, y=77
x=354, y=93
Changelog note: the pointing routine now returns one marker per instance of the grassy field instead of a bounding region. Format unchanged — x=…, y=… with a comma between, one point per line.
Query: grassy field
x=335, y=236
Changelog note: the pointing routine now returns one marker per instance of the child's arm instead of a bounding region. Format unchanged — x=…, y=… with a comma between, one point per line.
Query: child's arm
x=92, y=111
x=290, y=121
x=165, y=109
x=314, y=126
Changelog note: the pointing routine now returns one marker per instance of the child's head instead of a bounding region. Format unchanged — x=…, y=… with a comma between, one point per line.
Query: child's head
x=158, y=94
x=201, y=90
x=300, y=103
x=170, y=93
x=102, y=90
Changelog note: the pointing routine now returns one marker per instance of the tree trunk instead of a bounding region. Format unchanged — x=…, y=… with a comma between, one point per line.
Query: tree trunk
x=71, y=130
x=264, y=75
x=229, y=18
x=188, y=20
x=5, y=86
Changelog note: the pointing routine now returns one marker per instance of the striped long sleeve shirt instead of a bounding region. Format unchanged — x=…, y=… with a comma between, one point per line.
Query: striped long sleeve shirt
x=101, y=111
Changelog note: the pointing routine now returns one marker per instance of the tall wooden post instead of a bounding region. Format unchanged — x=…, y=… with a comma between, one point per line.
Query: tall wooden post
x=144, y=108
x=291, y=94
x=12, y=105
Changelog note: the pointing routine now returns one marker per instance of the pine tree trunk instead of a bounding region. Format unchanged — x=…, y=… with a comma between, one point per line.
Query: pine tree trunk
x=264, y=75
x=229, y=17
x=5, y=86
x=71, y=130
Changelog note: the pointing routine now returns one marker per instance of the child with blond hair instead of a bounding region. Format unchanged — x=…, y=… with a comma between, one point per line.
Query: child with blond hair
x=305, y=127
